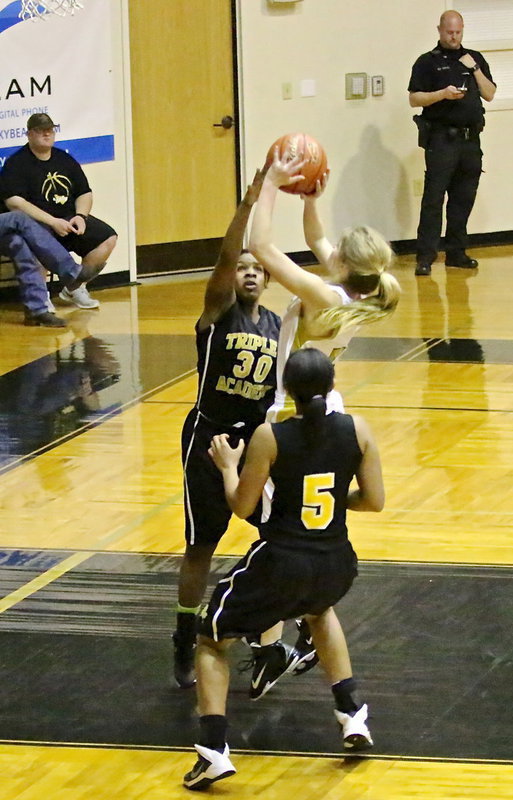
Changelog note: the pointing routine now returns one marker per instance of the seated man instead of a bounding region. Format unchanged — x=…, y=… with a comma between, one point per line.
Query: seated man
x=24, y=241
x=50, y=186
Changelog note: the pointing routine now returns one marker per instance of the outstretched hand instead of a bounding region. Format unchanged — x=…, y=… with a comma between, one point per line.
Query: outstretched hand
x=283, y=172
x=253, y=190
x=222, y=454
x=320, y=186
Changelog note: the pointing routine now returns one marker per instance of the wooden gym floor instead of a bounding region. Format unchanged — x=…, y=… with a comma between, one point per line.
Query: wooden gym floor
x=91, y=534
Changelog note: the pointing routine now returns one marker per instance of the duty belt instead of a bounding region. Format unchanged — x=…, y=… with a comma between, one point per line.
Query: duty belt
x=454, y=130
x=466, y=132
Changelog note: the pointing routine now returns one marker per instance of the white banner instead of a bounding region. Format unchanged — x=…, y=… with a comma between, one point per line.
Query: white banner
x=62, y=66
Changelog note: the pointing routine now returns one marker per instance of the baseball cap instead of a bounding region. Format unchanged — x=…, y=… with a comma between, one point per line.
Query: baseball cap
x=40, y=121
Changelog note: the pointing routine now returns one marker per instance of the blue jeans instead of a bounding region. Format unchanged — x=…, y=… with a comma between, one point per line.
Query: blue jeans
x=24, y=240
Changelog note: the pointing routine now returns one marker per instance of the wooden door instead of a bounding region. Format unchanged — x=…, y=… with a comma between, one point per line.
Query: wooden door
x=185, y=172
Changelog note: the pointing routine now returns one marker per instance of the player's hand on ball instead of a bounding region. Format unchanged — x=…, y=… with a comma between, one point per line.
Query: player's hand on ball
x=296, y=154
x=285, y=172
x=222, y=454
x=320, y=186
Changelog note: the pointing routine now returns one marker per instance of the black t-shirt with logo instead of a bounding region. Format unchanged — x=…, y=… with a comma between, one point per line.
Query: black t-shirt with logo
x=51, y=185
x=442, y=67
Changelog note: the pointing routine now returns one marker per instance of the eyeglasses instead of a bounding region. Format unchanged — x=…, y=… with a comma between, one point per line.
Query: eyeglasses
x=43, y=130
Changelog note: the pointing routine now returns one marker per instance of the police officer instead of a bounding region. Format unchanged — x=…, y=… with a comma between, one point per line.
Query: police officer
x=449, y=82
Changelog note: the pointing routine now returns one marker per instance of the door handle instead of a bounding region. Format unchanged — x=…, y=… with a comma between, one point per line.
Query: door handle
x=227, y=122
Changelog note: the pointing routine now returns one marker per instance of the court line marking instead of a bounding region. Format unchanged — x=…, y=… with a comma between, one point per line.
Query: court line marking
x=43, y=580
x=69, y=563
x=147, y=515
x=243, y=751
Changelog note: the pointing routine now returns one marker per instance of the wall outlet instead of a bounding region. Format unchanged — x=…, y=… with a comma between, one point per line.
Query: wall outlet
x=286, y=91
x=418, y=187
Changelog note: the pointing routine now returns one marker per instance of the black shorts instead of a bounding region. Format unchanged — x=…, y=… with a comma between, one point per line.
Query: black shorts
x=207, y=513
x=274, y=583
x=96, y=232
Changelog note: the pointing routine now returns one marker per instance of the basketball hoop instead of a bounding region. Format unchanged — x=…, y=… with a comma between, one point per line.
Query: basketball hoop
x=38, y=9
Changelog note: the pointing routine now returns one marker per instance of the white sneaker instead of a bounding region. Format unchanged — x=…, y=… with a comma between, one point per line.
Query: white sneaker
x=78, y=297
x=210, y=767
x=49, y=305
x=354, y=730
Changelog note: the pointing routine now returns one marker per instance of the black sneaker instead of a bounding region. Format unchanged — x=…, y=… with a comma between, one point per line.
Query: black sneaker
x=423, y=269
x=184, y=662
x=45, y=319
x=305, y=649
x=210, y=767
x=354, y=729
x=270, y=663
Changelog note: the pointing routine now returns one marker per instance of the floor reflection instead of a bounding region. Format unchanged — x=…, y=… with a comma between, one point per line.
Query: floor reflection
x=456, y=342
x=455, y=381
x=56, y=395
x=59, y=394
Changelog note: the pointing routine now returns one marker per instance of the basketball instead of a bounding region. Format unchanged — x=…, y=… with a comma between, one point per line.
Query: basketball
x=293, y=144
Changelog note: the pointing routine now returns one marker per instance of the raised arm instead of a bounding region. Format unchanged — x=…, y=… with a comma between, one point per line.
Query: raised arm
x=313, y=228
x=244, y=492
x=312, y=290
x=220, y=292
x=370, y=495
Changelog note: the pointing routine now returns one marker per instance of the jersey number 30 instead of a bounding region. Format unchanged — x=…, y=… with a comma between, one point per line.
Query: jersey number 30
x=318, y=502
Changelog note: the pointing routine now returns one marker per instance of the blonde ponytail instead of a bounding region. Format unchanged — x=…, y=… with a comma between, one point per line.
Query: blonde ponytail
x=367, y=257
x=364, y=251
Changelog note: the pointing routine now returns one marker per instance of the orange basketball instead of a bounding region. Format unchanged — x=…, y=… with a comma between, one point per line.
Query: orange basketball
x=293, y=144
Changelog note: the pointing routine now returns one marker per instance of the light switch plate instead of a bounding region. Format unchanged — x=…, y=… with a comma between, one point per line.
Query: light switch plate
x=308, y=87
x=356, y=85
x=378, y=85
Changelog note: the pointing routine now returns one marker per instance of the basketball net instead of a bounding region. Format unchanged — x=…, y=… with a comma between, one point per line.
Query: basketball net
x=34, y=9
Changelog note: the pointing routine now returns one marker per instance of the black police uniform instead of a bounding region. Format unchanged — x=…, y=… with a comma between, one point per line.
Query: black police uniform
x=304, y=562
x=237, y=380
x=453, y=154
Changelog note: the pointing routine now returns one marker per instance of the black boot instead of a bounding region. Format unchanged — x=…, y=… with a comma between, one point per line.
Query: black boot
x=45, y=319
x=461, y=260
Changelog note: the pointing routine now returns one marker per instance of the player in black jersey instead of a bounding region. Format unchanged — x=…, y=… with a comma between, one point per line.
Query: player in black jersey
x=237, y=341
x=303, y=564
